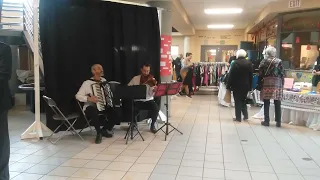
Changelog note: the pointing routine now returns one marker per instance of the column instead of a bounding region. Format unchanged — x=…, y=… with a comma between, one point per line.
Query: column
x=186, y=45
x=165, y=20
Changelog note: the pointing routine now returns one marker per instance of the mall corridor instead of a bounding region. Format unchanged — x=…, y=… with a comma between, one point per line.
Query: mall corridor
x=212, y=147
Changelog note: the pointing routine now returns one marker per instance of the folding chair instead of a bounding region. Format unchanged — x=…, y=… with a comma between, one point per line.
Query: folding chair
x=65, y=120
x=85, y=118
x=88, y=121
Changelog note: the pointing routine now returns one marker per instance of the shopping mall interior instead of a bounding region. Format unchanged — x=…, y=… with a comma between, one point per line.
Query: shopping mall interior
x=200, y=139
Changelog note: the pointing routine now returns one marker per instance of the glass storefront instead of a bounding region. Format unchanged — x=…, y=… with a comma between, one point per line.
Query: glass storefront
x=300, y=39
x=267, y=36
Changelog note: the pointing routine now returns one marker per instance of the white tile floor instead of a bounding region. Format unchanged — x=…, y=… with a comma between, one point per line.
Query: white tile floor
x=211, y=148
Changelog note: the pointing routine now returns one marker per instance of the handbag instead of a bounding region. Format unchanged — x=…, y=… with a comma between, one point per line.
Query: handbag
x=227, y=96
x=260, y=80
x=249, y=99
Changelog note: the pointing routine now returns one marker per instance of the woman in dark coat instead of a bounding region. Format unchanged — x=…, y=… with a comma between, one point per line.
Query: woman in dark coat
x=271, y=71
x=240, y=83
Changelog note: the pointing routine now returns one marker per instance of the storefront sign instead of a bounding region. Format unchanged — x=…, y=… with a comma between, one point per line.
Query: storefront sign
x=165, y=62
x=294, y=3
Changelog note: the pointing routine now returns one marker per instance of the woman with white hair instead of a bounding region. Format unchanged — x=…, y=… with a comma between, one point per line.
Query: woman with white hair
x=240, y=82
x=271, y=76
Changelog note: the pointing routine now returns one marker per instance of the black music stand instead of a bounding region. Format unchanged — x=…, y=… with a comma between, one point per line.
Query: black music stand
x=132, y=93
x=166, y=89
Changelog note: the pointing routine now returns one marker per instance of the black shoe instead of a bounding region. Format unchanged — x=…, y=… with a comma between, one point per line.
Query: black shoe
x=278, y=124
x=265, y=123
x=98, y=138
x=234, y=119
x=153, y=129
x=106, y=134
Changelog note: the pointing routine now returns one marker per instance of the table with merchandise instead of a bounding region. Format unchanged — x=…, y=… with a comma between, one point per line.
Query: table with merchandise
x=301, y=108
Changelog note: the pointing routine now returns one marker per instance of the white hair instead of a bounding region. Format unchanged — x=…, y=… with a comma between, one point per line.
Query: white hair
x=96, y=65
x=241, y=53
x=271, y=52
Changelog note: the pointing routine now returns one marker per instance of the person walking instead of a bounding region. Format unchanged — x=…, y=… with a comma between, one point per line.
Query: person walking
x=271, y=76
x=186, y=74
x=177, y=66
x=240, y=83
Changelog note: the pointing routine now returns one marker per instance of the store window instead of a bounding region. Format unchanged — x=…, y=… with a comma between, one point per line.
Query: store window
x=305, y=49
x=300, y=39
x=304, y=21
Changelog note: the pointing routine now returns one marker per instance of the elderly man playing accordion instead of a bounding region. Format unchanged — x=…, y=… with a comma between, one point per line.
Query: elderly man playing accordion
x=145, y=78
x=97, y=98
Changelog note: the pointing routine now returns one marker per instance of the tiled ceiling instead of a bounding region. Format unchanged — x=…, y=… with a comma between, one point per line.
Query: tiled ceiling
x=251, y=9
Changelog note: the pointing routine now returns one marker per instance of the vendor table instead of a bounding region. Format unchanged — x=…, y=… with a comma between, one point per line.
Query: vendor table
x=300, y=109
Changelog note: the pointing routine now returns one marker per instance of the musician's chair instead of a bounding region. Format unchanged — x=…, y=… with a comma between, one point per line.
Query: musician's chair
x=68, y=121
x=88, y=121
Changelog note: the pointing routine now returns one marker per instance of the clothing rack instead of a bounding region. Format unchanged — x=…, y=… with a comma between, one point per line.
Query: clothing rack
x=206, y=75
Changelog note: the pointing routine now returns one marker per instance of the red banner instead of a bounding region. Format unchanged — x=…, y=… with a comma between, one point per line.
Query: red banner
x=165, y=61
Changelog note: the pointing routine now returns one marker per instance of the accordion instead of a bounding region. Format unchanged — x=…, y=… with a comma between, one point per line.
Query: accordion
x=104, y=95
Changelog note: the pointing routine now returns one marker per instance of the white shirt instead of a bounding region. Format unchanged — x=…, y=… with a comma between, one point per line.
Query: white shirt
x=85, y=91
x=186, y=63
x=149, y=94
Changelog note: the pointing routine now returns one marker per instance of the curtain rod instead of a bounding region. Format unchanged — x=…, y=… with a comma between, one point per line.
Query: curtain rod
x=137, y=4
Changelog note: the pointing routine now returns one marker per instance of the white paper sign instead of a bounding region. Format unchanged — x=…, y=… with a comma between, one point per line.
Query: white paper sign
x=294, y=4
x=164, y=56
x=162, y=64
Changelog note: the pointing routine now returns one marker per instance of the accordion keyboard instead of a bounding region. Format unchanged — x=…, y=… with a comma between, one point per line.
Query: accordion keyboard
x=99, y=93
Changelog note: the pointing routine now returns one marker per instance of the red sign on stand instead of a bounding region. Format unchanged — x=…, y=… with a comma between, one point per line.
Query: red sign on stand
x=165, y=62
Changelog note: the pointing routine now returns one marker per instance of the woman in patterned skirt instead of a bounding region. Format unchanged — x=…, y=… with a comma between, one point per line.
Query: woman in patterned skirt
x=272, y=74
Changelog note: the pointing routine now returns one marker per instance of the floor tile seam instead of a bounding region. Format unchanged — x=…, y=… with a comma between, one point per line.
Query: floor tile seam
x=263, y=149
x=43, y=174
x=221, y=137
x=194, y=121
x=236, y=127
x=29, y=173
x=285, y=151
x=312, y=140
x=47, y=157
x=166, y=148
x=301, y=149
x=205, y=150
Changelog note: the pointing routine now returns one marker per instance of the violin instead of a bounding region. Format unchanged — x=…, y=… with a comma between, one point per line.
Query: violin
x=150, y=81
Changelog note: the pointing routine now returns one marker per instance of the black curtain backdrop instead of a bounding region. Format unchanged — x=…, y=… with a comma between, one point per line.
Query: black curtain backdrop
x=75, y=34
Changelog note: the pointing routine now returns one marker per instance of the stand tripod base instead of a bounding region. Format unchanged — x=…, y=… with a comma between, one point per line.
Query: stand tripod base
x=36, y=130
x=167, y=132
x=130, y=132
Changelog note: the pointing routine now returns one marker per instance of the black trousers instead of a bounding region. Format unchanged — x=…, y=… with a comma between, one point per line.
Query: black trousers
x=96, y=118
x=150, y=106
x=4, y=146
x=240, y=104
x=277, y=110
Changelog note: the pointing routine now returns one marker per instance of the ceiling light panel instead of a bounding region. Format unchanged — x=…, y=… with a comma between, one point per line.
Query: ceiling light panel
x=223, y=11
x=220, y=26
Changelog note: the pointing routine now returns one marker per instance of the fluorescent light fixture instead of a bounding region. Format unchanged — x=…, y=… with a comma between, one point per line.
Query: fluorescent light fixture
x=220, y=26
x=223, y=11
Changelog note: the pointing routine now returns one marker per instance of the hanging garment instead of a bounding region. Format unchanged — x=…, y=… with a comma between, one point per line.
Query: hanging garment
x=211, y=75
x=198, y=76
x=202, y=74
x=205, y=78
